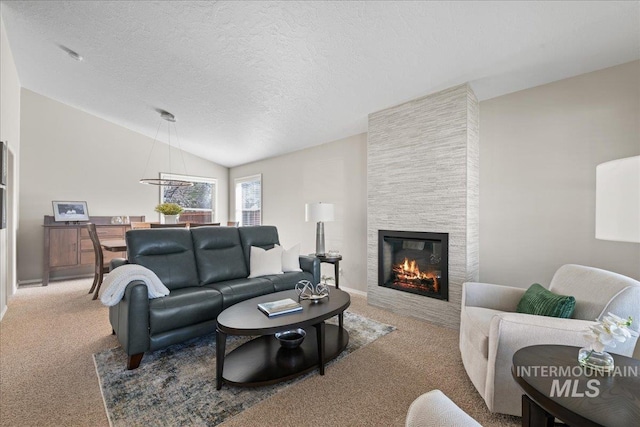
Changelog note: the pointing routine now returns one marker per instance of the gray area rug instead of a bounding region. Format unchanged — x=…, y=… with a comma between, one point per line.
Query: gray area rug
x=177, y=385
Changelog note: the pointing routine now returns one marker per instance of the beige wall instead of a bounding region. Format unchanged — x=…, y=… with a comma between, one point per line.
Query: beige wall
x=9, y=133
x=68, y=154
x=538, y=154
x=333, y=173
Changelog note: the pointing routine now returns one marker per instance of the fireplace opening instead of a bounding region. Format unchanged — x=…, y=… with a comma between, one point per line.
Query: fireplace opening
x=415, y=262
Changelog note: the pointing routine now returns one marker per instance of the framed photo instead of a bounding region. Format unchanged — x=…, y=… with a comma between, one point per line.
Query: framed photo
x=3, y=208
x=3, y=163
x=70, y=211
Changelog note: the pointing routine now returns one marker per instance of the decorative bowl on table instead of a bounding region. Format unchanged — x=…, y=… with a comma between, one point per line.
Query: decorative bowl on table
x=292, y=338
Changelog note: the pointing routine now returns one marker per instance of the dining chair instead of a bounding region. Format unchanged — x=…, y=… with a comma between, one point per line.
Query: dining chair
x=203, y=224
x=157, y=225
x=99, y=268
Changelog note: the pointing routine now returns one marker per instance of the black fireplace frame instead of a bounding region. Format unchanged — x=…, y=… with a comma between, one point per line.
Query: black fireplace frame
x=418, y=235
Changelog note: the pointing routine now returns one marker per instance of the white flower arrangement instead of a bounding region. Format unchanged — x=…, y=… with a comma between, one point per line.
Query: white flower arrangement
x=608, y=331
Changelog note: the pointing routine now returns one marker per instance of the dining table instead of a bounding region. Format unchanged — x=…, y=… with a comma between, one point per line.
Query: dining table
x=115, y=245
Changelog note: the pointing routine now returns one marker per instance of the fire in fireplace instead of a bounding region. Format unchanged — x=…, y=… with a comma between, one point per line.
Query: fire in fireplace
x=415, y=262
x=408, y=274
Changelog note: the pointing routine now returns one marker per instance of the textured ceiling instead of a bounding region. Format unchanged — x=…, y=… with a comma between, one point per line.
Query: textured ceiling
x=250, y=80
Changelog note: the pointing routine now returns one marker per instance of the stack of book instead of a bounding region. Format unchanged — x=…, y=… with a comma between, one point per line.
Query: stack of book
x=276, y=308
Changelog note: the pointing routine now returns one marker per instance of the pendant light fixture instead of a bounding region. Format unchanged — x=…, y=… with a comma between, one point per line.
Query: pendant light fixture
x=170, y=182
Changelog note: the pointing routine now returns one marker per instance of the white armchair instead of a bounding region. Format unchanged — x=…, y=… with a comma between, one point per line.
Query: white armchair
x=435, y=409
x=491, y=331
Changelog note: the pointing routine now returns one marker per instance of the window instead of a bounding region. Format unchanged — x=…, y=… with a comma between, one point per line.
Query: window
x=249, y=200
x=198, y=201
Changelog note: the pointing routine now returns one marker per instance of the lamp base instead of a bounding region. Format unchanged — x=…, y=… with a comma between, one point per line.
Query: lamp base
x=320, y=238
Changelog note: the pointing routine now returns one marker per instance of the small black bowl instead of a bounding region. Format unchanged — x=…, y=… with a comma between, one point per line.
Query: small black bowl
x=292, y=338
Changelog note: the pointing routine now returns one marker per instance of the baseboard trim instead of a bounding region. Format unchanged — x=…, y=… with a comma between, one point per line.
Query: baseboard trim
x=4, y=311
x=354, y=291
x=32, y=282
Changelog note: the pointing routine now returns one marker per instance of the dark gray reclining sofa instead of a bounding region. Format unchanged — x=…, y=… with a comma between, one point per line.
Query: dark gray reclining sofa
x=206, y=270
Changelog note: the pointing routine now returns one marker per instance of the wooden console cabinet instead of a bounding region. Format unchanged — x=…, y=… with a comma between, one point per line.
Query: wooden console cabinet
x=68, y=246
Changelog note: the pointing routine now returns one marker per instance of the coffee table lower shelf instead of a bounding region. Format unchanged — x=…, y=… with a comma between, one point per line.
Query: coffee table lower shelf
x=263, y=361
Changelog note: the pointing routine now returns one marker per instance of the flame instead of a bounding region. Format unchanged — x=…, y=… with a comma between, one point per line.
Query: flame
x=408, y=274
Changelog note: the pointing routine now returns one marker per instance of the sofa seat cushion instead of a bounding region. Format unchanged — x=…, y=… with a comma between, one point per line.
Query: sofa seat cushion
x=234, y=291
x=184, y=307
x=287, y=281
x=478, y=323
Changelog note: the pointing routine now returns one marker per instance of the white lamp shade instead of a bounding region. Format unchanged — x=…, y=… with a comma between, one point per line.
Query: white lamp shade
x=618, y=200
x=319, y=212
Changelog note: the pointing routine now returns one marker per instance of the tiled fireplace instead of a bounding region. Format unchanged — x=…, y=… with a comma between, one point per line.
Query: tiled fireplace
x=422, y=177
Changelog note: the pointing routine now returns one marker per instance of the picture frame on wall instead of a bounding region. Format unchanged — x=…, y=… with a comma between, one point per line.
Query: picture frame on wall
x=70, y=211
x=3, y=208
x=3, y=163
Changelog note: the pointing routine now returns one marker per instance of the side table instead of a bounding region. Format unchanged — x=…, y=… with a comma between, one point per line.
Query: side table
x=557, y=386
x=335, y=260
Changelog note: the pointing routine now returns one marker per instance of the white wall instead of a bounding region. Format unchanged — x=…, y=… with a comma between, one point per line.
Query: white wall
x=68, y=154
x=333, y=173
x=9, y=133
x=538, y=154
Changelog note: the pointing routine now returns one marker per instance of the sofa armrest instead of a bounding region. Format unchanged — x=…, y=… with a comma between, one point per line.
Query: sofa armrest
x=130, y=318
x=486, y=295
x=533, y=330
x=311, y=265
x=508, y=333
x=117, y=262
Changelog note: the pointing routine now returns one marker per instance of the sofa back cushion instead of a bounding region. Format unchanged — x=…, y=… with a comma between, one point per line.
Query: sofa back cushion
x=219, y=254
x=598, y=291
x=168, y=252
x=262, y=236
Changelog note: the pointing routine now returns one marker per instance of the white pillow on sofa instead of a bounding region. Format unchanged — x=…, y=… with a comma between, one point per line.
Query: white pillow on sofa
x=263, y=262
x=291, y=259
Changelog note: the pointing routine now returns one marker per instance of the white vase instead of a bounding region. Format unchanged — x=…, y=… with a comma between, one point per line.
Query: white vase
x=171, y=219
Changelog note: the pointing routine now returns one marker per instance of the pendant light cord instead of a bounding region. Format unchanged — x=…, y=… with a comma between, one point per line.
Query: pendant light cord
x=168, y=181
x=184, y=165
x=155, y=139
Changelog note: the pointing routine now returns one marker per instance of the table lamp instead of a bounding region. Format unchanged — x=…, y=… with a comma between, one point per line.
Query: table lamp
x=618, y=200
x=319, y=212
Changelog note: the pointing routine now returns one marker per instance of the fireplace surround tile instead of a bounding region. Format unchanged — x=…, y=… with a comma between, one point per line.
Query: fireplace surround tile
x=423, y=176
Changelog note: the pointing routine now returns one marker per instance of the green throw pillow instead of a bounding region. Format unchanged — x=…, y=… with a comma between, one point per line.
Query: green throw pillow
x=540, y=301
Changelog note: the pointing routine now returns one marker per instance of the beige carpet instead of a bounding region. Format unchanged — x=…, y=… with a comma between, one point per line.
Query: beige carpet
x=47, y=375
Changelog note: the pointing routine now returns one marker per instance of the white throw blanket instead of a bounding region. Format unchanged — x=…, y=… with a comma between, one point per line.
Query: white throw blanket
x=118, y=279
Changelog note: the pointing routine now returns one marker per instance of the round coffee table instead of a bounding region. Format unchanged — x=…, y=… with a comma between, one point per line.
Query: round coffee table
x=263, y=360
